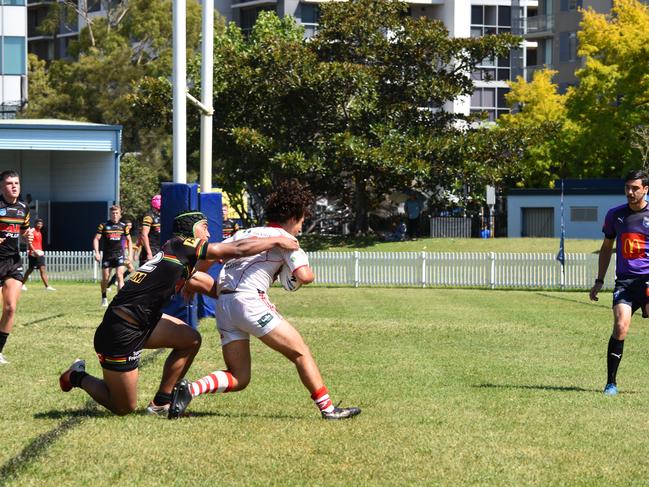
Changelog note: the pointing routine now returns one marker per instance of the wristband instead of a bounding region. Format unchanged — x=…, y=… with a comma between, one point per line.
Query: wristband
x=599, y=281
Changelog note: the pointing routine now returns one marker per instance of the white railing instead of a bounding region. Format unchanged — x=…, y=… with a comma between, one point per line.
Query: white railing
x=421, y=269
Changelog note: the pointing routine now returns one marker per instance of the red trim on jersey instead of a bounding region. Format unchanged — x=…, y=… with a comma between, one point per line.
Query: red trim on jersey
x=273, y=225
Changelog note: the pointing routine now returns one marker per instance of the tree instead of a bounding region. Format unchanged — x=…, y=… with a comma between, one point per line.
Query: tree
x=137, y=185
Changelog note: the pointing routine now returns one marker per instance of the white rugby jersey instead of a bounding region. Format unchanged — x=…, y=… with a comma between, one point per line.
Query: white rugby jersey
x=257, y=272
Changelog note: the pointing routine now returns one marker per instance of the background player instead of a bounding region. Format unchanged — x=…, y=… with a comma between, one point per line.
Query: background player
x=14, y=221
x=230, y=227
x=628, y=227
x=243, y=308
x=36, y=256
x=134, y=319
x=110, y=235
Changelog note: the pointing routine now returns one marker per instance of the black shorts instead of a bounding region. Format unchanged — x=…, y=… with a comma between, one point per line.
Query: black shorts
x=119, y=344
x=36, y=261
x=11, y=268
x=113, y=262
x=633, y=292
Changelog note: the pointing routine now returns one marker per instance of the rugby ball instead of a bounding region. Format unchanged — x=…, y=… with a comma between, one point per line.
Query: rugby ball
x=39, y=253
x=288, y=280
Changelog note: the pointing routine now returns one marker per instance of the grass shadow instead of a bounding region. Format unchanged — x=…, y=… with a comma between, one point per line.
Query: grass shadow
x=40, y=320
x=540, y=387
x=561, y=298
x=73, y=413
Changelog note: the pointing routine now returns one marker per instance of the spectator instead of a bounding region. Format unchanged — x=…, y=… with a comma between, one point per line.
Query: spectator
x=36, y=256
x=485, y=232
x=413, y=210
x=230, y=227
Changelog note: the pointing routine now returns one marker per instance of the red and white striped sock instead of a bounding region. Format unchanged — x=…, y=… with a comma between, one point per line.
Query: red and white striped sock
x=219, y=381
x=322, y=400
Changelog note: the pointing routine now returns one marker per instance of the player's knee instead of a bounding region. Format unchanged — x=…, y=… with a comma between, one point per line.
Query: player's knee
x=123, y=410
x=8, y=308
x=241, y=382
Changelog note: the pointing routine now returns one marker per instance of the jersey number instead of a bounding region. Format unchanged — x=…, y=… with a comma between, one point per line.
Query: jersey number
x=151, y=264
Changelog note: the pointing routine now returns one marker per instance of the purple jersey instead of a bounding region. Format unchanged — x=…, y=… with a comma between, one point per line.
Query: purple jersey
x=630, y=229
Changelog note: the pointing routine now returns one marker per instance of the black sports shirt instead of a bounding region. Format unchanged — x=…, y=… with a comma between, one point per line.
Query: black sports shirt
x=148, y=290
x=111, y=238
x=152, y=221
x=13, y=218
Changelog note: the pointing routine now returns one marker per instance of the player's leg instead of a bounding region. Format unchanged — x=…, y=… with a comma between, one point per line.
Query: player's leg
x=119, y=272
x=117, y=392
x=44, y=278
x=105, y=273
x=10, y=294
x=235, y=377
x=171, y=332
x=285, y=339
x=622, y=313
x=30, y=269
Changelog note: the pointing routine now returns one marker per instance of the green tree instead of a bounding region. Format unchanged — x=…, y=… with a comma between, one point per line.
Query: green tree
x=137, y=185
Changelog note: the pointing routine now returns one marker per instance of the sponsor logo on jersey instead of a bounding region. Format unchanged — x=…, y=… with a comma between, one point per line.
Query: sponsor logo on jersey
x=3, y=211
x=264, y=320
x=633, y=245
x=645, y=221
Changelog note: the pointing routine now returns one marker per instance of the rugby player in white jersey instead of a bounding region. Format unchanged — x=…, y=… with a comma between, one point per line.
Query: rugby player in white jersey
x=243, y=309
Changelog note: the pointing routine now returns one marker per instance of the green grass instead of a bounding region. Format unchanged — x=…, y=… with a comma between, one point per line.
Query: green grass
x=458, y=387
x=370, y=244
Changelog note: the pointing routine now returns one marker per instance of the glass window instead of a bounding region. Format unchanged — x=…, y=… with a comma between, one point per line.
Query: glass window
x=489, y=97
x=502, y=103
x=12, y=2
x=505, y=16
x=490, y=15
x=310, y=13
x=476, y=31
x=13, y=55
x=476, y=14
x=93, y=5
x=476, y=98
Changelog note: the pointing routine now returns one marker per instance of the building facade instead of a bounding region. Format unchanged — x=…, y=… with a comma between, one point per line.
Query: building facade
x=551, y=37
x=13, y=57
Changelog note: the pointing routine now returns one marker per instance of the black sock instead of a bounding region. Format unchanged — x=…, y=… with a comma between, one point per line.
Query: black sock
x=103, y=295
x=613, y=358
x=3, y=340
x=161, y=398
x=76, y=377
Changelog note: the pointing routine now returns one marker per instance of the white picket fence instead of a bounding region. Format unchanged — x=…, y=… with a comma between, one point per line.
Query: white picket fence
x=420, y=269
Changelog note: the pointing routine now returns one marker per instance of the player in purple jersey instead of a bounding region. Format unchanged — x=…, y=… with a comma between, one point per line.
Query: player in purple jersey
x=626, y=226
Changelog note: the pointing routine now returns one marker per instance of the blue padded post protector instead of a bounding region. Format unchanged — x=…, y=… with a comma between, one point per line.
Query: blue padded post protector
x=177, y=198
x=212, y=205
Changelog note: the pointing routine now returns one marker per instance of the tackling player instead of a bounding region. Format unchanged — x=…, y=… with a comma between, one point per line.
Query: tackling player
x=243, y=309
x=110, y=234
x=14, y=221
x=134, y=320
x=626, y=226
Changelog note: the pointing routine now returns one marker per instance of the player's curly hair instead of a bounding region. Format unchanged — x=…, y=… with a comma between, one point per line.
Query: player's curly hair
x=291, y=199
x=184, y=222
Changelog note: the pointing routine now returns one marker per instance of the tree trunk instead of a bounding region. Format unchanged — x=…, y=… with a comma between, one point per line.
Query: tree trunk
x=361, y=221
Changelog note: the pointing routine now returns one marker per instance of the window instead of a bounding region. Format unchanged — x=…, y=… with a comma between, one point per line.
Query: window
x=583, y=213
x=567, y=47
x=249, y=17
x=310, y=18
x=13, y=55
x=570, y=5
x=490, y=101
x=490, y=19
x=93, y=5
x=12, y=2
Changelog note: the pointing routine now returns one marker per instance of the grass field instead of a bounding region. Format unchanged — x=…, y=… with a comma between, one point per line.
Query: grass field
x=367, y=244
x=458, y=387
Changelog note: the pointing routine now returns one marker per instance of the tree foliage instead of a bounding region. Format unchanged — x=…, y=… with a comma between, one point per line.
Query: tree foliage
x=358, y=110
x=597, y=128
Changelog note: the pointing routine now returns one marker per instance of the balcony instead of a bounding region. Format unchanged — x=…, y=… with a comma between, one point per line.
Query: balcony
x=540, y=24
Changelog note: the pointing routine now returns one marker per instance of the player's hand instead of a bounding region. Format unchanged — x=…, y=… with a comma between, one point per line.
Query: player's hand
x=2, y=240
x=288, y=243
x=97, y=256
x=39, y=253
x=594, y=290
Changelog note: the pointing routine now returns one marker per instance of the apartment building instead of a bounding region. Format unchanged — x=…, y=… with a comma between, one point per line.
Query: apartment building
x=551, y=37
x=13, y=57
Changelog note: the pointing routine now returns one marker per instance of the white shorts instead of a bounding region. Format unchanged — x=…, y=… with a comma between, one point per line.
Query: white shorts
x=241, y=314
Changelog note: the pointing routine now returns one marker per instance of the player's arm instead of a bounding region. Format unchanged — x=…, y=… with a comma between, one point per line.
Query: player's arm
x=26, y=231
x=604, y=260
x=146, y=246
x=199, y=282
x=304, y=274
x=129, y=248
x=248, y=246
x=95, y=246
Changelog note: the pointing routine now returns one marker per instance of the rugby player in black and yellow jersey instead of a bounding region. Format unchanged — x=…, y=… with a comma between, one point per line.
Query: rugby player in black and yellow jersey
x=134, y=320
x=150, y=231
x=14, y=222
x=109, y=235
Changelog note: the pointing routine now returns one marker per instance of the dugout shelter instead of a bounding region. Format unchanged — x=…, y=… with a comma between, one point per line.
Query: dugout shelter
x=71, y=171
